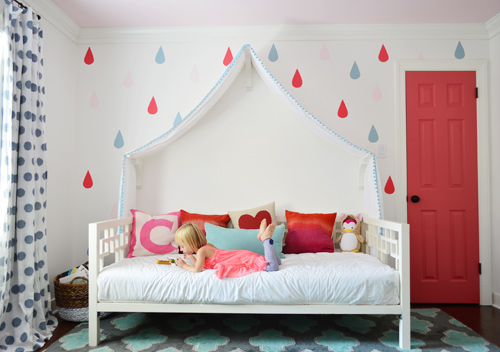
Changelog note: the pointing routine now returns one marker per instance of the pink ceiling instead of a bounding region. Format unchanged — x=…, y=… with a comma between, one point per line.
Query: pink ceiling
x=164, y=13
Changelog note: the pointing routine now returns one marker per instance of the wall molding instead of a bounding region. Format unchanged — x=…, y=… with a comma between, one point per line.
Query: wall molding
x=493, y=25
x=284, y=33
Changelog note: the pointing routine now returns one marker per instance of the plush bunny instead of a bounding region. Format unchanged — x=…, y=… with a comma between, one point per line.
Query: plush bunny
x=350, y=233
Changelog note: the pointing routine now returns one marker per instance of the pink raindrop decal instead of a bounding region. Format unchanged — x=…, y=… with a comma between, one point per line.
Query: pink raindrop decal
x=228, y=58
x=195, y=76
x=324, y=54
x=420, y=56
x=297, y=79
x=377, y=93
x=389, y=186
x=342, y=112
x=114, y=211
x=152, y=108
x=89, y=57
x=128, y=82
x=94, y=101
x=87, y=181
x=383, y=56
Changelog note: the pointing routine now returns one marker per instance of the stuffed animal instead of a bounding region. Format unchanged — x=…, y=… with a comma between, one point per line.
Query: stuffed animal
x=350, y=233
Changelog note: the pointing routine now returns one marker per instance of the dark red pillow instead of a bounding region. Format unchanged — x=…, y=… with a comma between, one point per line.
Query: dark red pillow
x=309, y=233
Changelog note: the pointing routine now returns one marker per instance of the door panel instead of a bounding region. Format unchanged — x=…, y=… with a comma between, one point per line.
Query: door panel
x=442, y=171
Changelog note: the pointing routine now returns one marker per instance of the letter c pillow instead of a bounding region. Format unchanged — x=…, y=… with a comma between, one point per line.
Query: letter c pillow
x=153, y=234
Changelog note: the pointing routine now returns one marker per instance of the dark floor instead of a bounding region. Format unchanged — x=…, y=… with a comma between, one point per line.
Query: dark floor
x=485, y=320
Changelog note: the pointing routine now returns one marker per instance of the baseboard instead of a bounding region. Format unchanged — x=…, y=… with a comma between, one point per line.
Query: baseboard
x=496, y=300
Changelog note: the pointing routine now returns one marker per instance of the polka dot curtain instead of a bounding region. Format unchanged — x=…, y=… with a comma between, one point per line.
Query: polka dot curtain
x=26, y=320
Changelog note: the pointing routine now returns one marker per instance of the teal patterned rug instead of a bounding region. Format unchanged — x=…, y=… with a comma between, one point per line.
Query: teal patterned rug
x=432, y=330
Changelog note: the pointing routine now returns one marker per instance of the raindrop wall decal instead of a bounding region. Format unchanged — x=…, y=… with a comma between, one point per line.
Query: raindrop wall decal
x=228, y=58
x=160, y=56
x=128, y=82
x=297, y=79
x=87, y=181
x=178, y=119
x=273, y=54
x=382, y=55
x=119, y=140
x=89, y=57
x=389, y=186
x=94, y=101
x=420, y=56
x=373, y=135
x=152, y=108
x=377, y=93
x=342, y=112
x=355, y=71
x=195, y=76
x=459, y=51
x=324, y=54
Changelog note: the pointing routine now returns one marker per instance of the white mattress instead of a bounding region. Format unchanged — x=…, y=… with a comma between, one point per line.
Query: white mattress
x=320, y=278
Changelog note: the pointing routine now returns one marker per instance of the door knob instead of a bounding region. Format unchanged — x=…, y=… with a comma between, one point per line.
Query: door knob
x=415, y=199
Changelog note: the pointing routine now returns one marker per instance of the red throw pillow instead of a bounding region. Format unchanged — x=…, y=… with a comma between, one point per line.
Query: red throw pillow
x=200, y=219
x=309, y=233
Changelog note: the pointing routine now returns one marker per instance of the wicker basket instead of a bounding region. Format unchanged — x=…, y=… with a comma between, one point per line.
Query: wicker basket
x=72, y=300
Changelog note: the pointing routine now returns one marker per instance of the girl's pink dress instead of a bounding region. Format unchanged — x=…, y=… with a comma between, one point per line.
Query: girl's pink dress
x=235, y=263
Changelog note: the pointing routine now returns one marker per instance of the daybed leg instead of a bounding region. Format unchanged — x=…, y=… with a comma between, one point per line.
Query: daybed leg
x=405, y=331
x=94, y=329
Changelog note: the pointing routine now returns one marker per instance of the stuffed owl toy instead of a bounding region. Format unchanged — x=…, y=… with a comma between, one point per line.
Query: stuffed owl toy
x=350, y=233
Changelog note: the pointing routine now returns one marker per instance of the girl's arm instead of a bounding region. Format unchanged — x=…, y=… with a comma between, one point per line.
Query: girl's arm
x=198, y=262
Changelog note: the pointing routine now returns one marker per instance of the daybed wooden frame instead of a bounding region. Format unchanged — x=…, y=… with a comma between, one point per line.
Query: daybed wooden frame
x=387, y=240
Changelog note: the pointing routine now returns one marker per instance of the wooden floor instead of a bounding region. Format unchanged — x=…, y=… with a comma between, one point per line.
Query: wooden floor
x=485, y=320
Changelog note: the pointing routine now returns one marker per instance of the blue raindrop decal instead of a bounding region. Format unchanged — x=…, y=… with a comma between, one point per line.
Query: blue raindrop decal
x=160, y=56
x=459, y=51
x=373, y=136
x=355, y=71
x=119, y=140
x=273, y=54
x=178, y=119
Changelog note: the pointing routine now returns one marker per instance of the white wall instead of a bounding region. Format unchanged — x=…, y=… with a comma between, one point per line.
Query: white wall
x=122, y=107
x=495, y=161
x=60, y=86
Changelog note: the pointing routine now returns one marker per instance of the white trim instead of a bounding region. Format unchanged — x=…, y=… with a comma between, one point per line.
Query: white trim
x=493, y=25
x=496, y=300
x=481, y=68
x=55, y=16
x=466, y=31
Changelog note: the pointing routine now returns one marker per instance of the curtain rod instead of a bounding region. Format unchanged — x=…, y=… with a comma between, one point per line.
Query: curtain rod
x=22, y=6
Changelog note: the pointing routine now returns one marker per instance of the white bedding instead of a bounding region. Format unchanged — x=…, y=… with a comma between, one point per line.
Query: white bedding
x=320, y=278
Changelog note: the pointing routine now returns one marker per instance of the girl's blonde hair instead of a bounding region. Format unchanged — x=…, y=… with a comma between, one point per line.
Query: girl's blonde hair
x=191, y=235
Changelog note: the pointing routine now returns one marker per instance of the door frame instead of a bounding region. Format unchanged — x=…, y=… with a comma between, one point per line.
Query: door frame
x=483, y=154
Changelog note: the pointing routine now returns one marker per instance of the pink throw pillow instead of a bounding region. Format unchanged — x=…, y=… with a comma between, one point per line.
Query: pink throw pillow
x=153, y=234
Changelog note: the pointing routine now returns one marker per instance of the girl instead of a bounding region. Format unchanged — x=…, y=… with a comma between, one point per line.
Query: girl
x=233, y=263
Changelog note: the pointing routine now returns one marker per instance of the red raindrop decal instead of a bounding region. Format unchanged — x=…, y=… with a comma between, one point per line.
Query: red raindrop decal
x=382, y=55
x=297, y=79
x=87, y=181
x=342, y=110
x=389, y=186
x=228, y=58
x=89, y=57
x=152, y=108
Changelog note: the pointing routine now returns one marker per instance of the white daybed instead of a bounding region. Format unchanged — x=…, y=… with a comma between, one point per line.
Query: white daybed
x=386, y=240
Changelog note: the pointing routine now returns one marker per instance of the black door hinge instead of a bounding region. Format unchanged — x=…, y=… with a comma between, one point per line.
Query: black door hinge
x=477, y=92
x=479, y=268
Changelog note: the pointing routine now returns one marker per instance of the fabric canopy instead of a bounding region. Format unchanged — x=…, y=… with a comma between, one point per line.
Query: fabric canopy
x=246, y=56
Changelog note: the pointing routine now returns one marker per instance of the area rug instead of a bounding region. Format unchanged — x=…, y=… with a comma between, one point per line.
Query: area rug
x=432, y=330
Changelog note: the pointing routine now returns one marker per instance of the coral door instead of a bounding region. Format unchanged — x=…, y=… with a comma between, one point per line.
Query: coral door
x=441, y=138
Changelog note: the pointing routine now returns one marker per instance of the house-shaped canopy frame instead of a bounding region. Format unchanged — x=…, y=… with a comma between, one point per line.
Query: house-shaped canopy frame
x=246, y=56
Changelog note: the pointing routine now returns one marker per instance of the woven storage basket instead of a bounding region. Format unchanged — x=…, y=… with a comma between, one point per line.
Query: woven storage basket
x=72, y=300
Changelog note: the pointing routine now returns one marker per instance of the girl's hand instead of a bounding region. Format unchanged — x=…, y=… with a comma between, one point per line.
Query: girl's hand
x=180, y=263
